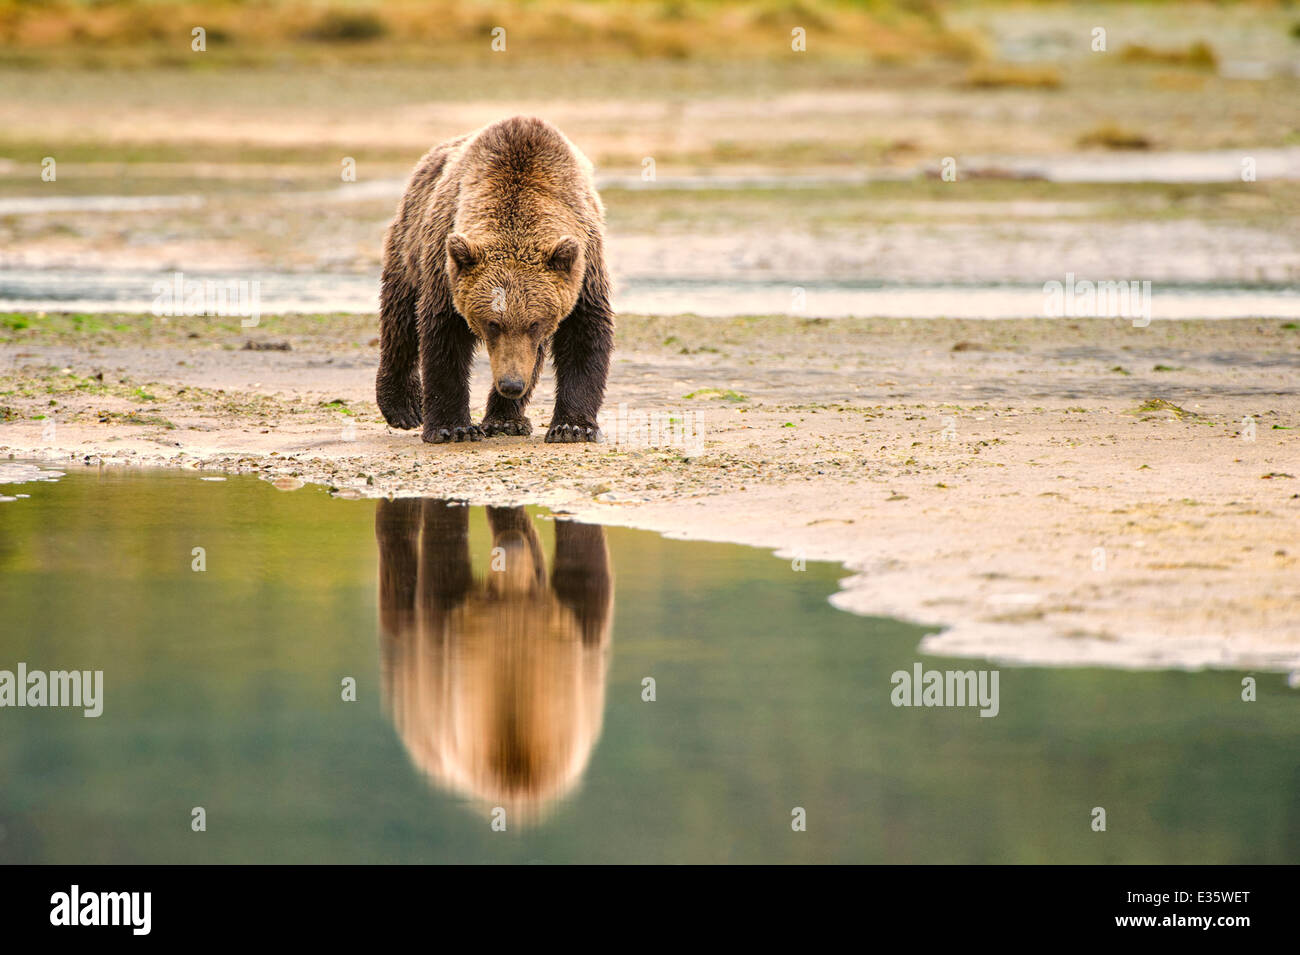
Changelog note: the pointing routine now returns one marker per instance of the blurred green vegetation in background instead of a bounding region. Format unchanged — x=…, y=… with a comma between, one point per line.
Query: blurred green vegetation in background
x=126, y=33
x=121, y=33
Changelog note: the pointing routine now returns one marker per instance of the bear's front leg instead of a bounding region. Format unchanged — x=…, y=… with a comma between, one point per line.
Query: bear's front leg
x=580, y=352
x=446, y=354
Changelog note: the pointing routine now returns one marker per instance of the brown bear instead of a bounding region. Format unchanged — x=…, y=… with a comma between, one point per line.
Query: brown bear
x=498, y=239
x=496, y=685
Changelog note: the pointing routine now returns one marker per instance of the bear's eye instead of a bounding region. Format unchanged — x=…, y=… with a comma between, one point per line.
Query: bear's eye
x=493, y=328
x=534, y=327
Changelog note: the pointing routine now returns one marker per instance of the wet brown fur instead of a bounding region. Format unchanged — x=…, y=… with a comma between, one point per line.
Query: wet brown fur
x=499, y=239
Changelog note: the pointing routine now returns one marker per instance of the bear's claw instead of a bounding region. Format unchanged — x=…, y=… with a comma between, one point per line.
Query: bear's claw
x=572, y=434
x=515, y=426
x=445, y=435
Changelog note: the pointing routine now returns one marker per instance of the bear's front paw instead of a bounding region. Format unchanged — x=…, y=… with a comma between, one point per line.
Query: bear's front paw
x=442, y=434
x=569, y=433
x=496, y=426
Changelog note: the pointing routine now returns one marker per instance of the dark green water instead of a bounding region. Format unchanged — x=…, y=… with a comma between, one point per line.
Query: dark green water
x=521, y=687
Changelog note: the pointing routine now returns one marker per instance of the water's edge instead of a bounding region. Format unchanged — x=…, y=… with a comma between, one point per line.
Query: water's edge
x=1013, y=645
x=87, y=290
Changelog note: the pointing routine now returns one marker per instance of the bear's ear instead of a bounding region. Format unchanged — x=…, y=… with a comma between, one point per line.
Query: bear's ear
x=462, y=252
x=564, y=254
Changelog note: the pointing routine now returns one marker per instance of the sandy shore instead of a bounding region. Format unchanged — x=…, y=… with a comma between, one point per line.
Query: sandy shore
x=1040, y=492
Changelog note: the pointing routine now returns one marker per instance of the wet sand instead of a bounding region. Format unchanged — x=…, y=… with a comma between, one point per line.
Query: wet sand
x=1074, y=492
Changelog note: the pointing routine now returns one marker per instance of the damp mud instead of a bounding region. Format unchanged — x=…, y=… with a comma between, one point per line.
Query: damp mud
x=1072, y=492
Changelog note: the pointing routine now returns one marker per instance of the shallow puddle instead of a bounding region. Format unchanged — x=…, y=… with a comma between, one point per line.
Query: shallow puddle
x=501, y=661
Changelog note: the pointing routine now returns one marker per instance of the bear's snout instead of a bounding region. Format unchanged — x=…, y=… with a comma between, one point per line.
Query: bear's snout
x=510, y=386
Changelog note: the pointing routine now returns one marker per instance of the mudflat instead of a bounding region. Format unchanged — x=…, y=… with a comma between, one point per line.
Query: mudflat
x=1043, y=491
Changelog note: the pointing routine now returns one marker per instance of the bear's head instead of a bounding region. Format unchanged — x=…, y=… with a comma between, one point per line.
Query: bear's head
x=514, y=299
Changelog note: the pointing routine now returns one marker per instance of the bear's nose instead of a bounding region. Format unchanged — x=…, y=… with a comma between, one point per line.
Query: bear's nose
x=510, y=386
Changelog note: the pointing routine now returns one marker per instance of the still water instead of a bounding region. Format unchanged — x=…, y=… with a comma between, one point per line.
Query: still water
x=500, y=660
x=125, y=290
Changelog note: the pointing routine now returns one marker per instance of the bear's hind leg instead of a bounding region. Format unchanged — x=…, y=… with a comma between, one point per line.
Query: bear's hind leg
x=397, y=386
x=580, y=352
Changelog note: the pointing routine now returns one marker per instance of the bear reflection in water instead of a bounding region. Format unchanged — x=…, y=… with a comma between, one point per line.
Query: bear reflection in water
x=495, y=685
